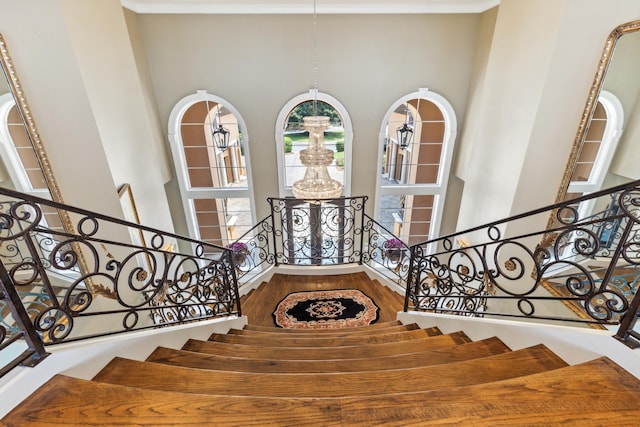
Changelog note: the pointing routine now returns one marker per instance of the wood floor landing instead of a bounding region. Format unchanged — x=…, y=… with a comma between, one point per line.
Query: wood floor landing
x=260, y=303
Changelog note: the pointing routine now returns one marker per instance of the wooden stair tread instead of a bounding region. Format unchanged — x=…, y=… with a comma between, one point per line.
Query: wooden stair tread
x=342, y=332
x=63, y=402
x=398, y=298
x=358, y=329
x=598, y=386
x=253, y=300
x=321, y=353
x=322, y=341
x=383, y=295
x=390, y=381
x=472, y=350
x=247, y=300
x=597, y=393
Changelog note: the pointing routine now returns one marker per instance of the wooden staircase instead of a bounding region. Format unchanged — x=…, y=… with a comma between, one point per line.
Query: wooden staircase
x=384, y=374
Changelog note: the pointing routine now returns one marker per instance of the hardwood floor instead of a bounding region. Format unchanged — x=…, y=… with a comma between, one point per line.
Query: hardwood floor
x=259, y=304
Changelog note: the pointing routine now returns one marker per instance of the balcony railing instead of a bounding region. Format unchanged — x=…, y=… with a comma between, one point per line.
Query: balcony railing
x=320, y=233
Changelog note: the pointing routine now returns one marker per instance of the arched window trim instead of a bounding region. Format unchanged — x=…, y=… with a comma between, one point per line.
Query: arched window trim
x=9, y=152
x=279, y=135
x=610, y=138
x=12, y=160
x=187, y=193
x=440, y=188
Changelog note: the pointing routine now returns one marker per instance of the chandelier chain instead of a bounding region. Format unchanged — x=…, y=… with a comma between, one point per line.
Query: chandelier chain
x=315, y=60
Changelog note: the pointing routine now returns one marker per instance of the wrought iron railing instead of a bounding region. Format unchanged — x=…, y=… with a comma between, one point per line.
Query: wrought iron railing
x=96, y=275
x=251, y=253
x=563, y=273
x=385, y=252
x=320, y=233
x=327, y=232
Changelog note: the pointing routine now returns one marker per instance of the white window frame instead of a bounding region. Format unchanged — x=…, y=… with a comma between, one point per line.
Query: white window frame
x=610, y=138
x=279, y=135
x=9, y=153
x=188, y=194
x=439, y=189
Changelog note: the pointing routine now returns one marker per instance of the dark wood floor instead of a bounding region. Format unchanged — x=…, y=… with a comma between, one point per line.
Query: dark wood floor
x=260, y=303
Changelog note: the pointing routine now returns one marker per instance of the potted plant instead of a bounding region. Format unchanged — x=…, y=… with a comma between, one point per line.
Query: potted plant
x=393, y=249
x=239, y=252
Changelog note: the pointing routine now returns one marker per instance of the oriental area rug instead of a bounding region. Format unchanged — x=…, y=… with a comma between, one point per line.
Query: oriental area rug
x=330, y=309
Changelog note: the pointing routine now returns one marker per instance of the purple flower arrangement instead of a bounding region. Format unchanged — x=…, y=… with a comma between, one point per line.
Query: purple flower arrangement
x=237, y=247
x=393, y=244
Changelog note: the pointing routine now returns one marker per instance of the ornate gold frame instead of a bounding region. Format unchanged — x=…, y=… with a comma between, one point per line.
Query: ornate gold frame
x=29, y=123
x=128, y=203
x=583, y=127
x=22, y=106
x=590, y=105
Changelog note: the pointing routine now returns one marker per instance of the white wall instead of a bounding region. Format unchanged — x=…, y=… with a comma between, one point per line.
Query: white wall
x=77, y=67
x=516, y=72
x=542, y=62
x=476, y=93
x=259, y=62
x=44, y=59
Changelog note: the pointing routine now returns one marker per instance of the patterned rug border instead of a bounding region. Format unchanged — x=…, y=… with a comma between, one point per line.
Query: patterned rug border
x=366, y=317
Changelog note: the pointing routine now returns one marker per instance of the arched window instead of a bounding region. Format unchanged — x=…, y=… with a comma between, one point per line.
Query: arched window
x=291, y=138
x=214, y=179
x=414, y=171
x=21, y=170
x=600, y=141
x=598, y=148
x=17, y=153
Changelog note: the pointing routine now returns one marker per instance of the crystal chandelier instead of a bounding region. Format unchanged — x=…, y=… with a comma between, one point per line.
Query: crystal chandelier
x=316, y=183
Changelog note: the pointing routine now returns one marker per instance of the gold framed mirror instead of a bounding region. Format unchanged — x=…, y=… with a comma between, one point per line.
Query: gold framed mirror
x=602, y=154
x=24, y=162
x=24, y=165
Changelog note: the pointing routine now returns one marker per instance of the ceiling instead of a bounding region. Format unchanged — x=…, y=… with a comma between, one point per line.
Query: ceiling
x=306, y=6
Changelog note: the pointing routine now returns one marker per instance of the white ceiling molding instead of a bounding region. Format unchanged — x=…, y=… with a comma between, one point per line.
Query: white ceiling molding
x=306, y=6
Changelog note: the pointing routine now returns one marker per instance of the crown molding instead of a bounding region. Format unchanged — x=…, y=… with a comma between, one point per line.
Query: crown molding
x=306, y=7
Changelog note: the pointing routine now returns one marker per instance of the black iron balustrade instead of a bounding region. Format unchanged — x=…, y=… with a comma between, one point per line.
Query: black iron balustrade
x=251, y=254
x=98, y=279
x=384, y=252
x=316, y=233
x=319, y=232
x=21, y=340
x=570, y=272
